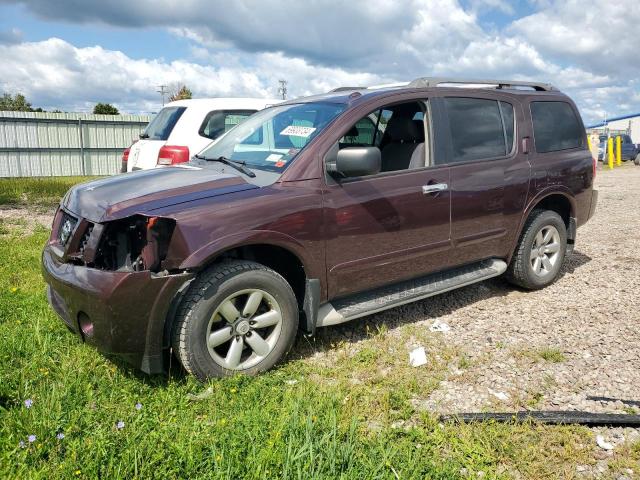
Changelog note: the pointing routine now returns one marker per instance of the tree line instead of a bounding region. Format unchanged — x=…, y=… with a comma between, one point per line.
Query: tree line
x=19, y=103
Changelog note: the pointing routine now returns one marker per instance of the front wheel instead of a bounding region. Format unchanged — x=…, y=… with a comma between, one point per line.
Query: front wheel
x=637, y=159
x=540, y=251
x=237, y=317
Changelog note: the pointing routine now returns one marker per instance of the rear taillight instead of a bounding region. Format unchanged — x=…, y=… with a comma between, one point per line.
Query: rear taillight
x=125, y=158
x=172, y=154
x=595, y=166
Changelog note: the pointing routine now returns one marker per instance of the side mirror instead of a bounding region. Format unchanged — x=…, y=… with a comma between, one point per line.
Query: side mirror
x=357, y=162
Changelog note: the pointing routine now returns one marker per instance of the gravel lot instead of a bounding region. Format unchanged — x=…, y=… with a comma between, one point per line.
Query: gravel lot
x=546, y=350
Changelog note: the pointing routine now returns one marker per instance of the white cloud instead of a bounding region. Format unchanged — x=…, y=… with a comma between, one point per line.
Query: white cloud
x=244, y=47
x=601, y=36
x=60, y=75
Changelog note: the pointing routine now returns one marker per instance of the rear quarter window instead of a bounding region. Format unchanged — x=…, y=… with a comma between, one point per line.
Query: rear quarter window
x=555, y=127
x=162, y=124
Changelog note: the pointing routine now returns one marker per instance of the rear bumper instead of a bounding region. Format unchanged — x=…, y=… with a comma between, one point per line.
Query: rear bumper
x=120, y=313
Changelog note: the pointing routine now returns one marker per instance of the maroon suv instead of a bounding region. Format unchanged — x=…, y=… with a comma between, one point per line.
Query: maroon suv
x=319, y=211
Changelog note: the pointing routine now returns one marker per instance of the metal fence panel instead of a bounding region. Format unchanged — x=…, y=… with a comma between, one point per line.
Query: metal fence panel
x=34, y=144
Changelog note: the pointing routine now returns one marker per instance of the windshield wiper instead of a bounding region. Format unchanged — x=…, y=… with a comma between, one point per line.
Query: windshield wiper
x=240, y=166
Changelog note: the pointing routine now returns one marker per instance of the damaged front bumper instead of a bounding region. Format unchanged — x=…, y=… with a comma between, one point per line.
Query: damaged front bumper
x=120, y=313
x=121, y=307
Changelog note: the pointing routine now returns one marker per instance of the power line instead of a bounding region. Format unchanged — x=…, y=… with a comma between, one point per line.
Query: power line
x=163, y=91
x=282, y=90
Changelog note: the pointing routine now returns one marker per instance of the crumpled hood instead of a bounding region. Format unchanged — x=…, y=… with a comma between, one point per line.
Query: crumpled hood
x=147, y=190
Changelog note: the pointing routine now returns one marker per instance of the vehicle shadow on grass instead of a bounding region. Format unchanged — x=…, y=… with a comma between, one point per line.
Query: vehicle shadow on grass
x=427, y=310
x=174, y=374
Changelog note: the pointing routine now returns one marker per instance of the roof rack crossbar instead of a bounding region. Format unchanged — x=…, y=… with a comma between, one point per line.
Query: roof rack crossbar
x=426, y=82
x=346, y=89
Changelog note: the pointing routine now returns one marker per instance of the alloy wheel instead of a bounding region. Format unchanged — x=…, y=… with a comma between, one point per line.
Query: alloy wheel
x=545, y=251
x=244, y=329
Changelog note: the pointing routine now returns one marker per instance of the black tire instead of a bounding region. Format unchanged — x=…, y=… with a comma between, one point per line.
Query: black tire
x=637, y=159
x=520, y=271
x=207, y=293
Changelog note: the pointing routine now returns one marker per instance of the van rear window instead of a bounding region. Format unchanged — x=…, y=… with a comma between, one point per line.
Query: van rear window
x=162, y=124
x=555, y=127
x=219, y=122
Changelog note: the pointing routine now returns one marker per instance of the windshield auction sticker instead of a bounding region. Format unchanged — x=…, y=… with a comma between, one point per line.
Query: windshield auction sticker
x=298, y=131
x=274, y=157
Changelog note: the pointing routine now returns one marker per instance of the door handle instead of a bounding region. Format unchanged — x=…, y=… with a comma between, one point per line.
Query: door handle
x=434, y=188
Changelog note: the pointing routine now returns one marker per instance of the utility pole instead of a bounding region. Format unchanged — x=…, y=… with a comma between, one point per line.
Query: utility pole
x=282, y=90
x=162, y=92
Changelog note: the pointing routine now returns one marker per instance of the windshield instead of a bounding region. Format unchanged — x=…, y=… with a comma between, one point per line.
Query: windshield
x=272, y=138
x=162, y=124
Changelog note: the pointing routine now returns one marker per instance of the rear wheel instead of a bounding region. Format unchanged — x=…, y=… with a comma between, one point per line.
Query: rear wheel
x=540, y=252
x=238, y=317
x=637, y=159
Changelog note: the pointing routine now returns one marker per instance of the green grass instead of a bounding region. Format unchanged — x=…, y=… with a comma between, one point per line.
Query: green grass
x=263, y=427
x=43, y=192
x=548, y=354
x=553, y=355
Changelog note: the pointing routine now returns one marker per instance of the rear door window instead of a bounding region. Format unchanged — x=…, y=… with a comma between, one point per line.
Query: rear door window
x=555, y=127
x=219, y=122
x=162, y=124
x=476, y=128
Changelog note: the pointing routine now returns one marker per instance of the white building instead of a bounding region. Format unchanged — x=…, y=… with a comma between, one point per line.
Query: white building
x=629, y=124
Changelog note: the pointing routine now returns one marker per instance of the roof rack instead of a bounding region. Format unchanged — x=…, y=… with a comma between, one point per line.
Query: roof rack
x=426, y=82
x=347, y=89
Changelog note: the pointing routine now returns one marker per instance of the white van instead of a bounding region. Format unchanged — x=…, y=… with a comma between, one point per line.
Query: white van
x=185, y=127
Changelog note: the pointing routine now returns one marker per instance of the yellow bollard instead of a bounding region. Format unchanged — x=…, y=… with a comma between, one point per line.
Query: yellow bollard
x=610, y=152
x=619, y=150
x=589, y=142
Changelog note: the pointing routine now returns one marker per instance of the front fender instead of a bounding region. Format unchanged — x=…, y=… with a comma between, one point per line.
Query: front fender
x=207, y=253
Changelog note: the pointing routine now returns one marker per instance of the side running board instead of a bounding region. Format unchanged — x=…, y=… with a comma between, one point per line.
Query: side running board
x=383, y=298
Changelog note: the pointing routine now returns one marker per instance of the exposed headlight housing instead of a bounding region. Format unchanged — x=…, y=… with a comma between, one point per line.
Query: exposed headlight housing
x=135, y=243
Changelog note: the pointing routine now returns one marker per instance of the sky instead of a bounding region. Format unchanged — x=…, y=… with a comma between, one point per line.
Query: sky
x=71, y=54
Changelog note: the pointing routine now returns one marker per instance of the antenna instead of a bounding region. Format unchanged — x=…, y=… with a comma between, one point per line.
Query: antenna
x=162, y=92
x=282, y=89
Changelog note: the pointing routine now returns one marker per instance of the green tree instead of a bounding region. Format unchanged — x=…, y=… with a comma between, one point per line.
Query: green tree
x=105, y=109
x=182, y=93
x=16, y=103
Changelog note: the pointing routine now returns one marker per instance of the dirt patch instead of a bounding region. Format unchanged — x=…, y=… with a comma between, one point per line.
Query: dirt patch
x=23, y=221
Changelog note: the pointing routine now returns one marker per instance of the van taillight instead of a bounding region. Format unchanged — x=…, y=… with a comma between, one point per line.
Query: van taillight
x=595, y=166
x=125, y=158
x=172, y=154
